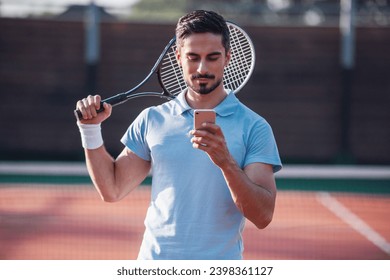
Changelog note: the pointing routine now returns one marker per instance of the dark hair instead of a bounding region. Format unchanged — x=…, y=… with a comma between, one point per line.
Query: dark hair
x=201, y=21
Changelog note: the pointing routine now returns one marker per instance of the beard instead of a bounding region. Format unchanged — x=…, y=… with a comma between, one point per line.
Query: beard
x=203, y=89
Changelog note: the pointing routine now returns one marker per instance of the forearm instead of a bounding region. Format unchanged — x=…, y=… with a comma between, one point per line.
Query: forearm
x=255, y=196
x=100, y=164
x=101, y=169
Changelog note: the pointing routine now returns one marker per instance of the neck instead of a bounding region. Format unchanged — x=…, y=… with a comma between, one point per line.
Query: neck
x=205, y=101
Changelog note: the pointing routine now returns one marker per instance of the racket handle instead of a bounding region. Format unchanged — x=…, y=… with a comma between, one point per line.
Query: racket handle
x=113, y=100
x=79, y=116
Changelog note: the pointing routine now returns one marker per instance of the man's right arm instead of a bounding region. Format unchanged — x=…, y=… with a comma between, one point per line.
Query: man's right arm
x=113, y=178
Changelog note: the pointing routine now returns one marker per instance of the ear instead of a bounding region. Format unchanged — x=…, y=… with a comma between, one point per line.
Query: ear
x=178, y=56
x=227, y=58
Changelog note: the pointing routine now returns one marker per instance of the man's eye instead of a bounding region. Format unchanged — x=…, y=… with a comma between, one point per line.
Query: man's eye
x=213, y=58
x=192, y=58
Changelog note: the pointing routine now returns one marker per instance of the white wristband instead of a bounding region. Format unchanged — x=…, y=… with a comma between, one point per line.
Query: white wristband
x=91, y=136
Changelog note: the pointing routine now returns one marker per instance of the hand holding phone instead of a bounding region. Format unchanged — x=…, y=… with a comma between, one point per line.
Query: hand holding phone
x=203, y=116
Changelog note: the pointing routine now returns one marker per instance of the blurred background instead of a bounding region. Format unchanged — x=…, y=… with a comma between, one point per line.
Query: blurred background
x=321, y=80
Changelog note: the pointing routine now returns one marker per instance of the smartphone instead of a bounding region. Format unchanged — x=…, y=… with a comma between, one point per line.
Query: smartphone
x=202, y=116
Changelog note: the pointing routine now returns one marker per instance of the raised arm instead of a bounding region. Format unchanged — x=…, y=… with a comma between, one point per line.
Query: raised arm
x=113, y=178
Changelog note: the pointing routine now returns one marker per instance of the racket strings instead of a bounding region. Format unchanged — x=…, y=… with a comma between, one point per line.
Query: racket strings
x=171, y=73
x=242, y=59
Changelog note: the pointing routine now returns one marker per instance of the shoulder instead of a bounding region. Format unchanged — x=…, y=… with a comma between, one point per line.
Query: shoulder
x=250, y=117
x=162, y=108
x=155, y=110
x=154, y=115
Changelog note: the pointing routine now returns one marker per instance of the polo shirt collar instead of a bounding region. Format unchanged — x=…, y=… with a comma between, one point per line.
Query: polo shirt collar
x=225, y=108
x=180, y=104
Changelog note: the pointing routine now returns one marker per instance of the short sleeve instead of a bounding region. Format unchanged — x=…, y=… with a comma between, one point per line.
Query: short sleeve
x=262, y=146
x=135, y=136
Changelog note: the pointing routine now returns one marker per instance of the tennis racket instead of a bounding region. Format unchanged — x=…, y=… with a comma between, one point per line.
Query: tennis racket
x=170, y=75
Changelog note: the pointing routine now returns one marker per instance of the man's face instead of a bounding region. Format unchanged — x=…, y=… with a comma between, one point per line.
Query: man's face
x=203, y=58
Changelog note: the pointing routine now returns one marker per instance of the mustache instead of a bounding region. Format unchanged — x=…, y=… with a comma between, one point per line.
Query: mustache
x=200, y=76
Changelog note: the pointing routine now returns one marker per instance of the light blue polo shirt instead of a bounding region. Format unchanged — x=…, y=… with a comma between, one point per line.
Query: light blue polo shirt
x=191, y=214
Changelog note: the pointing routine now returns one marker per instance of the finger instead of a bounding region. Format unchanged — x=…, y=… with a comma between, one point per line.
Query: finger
x=203, y=138
x=87, y=109
x=83, y=107
x=80, y=106
x=97, y=100
x=198, y=132
x=92, y=105
x=200, y=146
x=107, y=109
x=212, y=128
x=200, y=142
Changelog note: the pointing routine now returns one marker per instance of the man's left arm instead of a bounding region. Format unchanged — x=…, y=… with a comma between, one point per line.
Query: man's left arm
x=253, y=191
x=253, y=188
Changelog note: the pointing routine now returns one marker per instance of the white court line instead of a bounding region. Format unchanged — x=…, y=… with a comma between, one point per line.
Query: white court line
x=353, y=221
x=43, y=168
x=334, y=172
x=288, y=171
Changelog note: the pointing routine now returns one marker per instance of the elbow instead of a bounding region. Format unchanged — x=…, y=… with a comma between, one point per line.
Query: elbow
x=263, y=223
x=109, y=197
x=261, y=218
x=108, y=193
x=266, y=215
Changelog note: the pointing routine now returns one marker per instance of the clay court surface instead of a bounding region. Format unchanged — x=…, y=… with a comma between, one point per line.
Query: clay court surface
x=71, y=222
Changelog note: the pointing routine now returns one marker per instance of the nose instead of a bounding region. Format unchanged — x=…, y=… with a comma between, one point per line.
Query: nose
x=202, y=67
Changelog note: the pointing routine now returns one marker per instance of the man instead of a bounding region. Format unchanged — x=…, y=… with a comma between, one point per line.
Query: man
x=205, y=182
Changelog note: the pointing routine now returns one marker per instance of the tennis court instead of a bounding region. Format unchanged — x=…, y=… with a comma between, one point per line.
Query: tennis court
x=51, y=211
